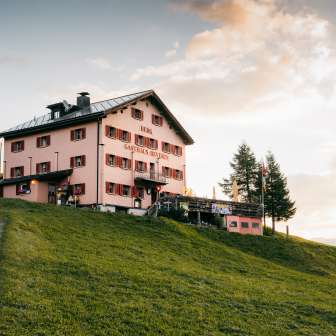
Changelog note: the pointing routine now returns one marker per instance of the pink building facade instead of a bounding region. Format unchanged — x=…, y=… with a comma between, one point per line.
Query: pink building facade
x=244, y=225
x=120, y=153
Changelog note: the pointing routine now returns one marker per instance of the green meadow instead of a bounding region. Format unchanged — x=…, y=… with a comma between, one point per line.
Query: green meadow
x=76, y=272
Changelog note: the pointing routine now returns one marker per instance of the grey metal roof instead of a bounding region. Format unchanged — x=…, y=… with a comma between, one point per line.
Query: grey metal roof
x=94, y=111
x=97, y=107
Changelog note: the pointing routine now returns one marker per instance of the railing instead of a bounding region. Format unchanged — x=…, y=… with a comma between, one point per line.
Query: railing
x=155, y=177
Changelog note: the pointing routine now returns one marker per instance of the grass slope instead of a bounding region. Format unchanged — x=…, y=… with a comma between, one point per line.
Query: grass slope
x=75, y=272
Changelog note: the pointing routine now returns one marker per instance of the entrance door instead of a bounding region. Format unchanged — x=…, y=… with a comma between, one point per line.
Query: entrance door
x=153, y=195
x=51, y=194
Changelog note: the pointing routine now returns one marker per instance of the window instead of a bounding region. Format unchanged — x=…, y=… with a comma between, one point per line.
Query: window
x=78, y=134
x=244, y=225
x=111, y=132
x=137, y=114
x=17, y=146
x=78, y=161
x=152, y=144
x=42, y=142
x=125, y=136
x=178, y=175
x=157, y=120
x=17, y=172
x=140, y=166
x=138, y=192
x=125, y=190
x=110, y=188
x=166, y=147
x=233, y=224
x=79, y=189
x=43, y=168
x=255, y=225
x=167, y=172
x=177, y=150
x=23, y=188
x=111, y=160
x=139, y=140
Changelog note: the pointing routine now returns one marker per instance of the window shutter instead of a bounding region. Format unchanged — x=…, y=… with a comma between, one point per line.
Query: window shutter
x=107, y=131
x=172, y=149
x=48, y=166
x=107, y=187
x=174, y=173
x=38, y=142
x=145, y=167
x=161, y=121
x=129, y=163
x=129, y=136
x=134, y=191
x=156, y=144
x=137, y=165
x=12, y=172
x=83, y=133
x=133, y=113
x=22, y=171
x=37, y=168
x=146, y=142
x=181, y=175
x=107, y=159
x=72, y=135
x=83, y=160
x=163, y=171
x=142, y=115
x=12, y=146
x=48, y=140
x=119, y=189
x=23, y=145
x=153, y=119
x=72, y=162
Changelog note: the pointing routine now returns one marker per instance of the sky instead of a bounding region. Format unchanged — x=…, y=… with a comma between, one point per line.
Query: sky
x=256, y=71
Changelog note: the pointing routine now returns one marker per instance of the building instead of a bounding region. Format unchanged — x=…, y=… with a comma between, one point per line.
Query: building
x=243, y=218
x=117, y=154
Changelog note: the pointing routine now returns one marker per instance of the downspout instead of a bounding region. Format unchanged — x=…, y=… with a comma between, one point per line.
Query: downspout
x=98, y=149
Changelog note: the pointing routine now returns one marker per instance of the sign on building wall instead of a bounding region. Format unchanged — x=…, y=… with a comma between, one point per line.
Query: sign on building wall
x=222, y=209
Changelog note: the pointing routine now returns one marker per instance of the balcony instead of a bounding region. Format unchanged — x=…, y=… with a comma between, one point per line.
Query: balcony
x=149, y=179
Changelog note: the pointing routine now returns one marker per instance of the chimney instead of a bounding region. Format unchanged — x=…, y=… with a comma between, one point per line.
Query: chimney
x=83, y=100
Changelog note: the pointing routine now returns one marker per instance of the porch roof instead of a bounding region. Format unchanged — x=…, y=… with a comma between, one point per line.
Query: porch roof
x=52, y=176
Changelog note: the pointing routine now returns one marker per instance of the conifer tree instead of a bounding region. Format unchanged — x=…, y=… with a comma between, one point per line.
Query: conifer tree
x=278, y=204
x=245, y=172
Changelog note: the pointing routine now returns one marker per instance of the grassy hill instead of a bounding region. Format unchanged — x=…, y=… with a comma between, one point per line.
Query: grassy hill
x=75, y=272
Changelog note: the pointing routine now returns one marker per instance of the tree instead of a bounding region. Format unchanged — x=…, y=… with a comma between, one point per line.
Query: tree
x=278, y=204
x=245, y=172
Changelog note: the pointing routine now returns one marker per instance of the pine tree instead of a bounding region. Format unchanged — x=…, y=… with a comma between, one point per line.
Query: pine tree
x=278, y=204
x=245, y=171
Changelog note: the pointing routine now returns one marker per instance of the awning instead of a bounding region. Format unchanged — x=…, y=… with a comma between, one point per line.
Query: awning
x=48, y=177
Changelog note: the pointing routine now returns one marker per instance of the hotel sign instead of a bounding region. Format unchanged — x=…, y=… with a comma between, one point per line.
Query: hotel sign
x=145, y=151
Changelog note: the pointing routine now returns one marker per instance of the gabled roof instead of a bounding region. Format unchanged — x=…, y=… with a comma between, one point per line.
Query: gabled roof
x=96, y=110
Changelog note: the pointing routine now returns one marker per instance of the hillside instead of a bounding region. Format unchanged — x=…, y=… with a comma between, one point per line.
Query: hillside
x=75, y=272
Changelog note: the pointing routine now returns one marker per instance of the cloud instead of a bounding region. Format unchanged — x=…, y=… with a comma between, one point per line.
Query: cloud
x=103, y=64
x=172, y=52
x=315, y=199
x=12, y=60
x=257, y=52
